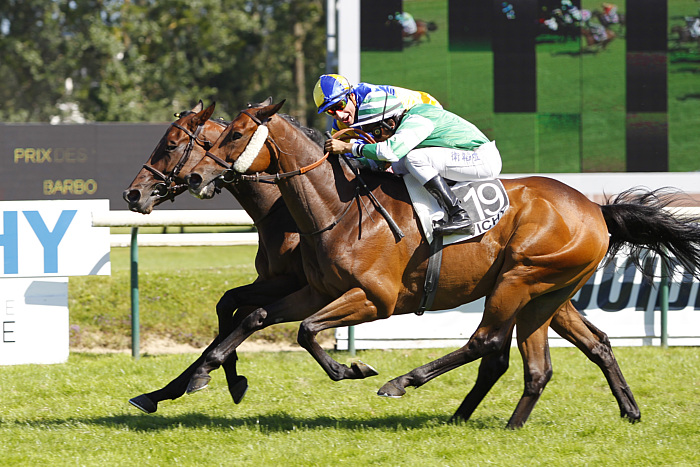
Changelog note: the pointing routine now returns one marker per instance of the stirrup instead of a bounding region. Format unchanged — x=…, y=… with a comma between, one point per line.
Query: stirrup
x=461, y=228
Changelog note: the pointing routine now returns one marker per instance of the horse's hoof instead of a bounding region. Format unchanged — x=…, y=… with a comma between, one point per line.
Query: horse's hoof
x=390, y=389
x=144, y=403
x=197, y=383
x=363, y=370
x=239, y=389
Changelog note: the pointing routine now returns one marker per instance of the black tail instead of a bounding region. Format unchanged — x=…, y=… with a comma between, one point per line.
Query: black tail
x=637, y=218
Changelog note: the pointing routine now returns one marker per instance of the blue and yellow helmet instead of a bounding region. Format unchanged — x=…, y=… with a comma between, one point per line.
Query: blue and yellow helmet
x=330, y=89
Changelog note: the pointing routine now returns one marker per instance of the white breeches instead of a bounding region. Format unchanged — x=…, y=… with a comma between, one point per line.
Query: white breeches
x=453, y=164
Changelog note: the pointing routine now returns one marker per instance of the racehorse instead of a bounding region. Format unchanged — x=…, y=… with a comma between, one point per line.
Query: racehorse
x=608, y=21
x=422, y=30
x=279, y=258
x=277, y=262
x=529, y=266
x=684, y=35
x=597, y=35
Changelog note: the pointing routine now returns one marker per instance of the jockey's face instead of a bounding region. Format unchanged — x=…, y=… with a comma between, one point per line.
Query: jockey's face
x=347, y=115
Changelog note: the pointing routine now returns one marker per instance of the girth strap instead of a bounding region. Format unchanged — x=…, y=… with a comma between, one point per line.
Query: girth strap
x=432, y=275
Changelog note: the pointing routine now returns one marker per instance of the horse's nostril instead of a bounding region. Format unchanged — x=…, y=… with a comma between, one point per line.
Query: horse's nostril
x=194, y=180
x=132, y=196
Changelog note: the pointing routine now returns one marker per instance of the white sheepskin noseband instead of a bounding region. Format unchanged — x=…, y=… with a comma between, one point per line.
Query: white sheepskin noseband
x=251, y=150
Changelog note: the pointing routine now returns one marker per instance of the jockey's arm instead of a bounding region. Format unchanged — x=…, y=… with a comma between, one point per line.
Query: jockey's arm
x=411, y=132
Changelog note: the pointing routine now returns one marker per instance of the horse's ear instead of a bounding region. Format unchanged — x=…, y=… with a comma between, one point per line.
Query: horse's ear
x=267, y=101
x=204, y=115
x=198, y=107
x=268, y=111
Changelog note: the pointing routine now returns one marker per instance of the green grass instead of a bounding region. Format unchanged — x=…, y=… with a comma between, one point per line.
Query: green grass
x=77, y=414
x=178, y=291
x=590, y=86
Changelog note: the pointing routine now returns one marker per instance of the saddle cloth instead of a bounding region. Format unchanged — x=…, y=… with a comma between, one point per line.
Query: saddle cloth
x=484, y=200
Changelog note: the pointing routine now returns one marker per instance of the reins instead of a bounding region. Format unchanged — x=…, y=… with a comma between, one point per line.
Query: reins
x=231, y=175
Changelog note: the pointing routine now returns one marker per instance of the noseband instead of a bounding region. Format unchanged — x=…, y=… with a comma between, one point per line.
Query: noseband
x=168, y=187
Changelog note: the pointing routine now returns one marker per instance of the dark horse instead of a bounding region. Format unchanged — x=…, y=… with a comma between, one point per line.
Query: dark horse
x=544, y=249
x=278, y=260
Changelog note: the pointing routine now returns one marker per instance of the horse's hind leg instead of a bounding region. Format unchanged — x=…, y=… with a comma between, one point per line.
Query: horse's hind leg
x=532, y=327
x=594, y=343
x=492, y=367
x=492, y=335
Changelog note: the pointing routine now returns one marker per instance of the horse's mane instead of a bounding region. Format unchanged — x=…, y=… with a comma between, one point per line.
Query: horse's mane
x=312, y=133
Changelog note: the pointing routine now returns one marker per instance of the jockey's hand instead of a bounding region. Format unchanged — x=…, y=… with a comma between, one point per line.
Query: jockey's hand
x=335, y=146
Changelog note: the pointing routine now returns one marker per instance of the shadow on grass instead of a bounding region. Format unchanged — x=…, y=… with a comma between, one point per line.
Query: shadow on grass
x=271, y=423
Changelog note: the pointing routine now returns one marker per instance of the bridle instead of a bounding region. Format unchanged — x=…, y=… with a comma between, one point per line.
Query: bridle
x=167, y=188
x=231, y=175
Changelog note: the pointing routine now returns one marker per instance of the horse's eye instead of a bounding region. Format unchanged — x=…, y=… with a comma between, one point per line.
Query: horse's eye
x=237, y=135
x=171, y=147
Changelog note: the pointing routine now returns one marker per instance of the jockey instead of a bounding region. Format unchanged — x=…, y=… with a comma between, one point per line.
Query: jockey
x=335, y=95
x=428, y=143
x=610, y=13
x=407, y=22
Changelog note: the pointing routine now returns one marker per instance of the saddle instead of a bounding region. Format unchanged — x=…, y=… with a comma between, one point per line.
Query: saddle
x=484, y=200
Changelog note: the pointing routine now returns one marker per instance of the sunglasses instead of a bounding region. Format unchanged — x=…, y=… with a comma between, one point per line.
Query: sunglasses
x=337, y=107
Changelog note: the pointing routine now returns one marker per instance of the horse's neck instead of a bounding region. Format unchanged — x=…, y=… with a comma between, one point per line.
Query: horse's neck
x=316, y=198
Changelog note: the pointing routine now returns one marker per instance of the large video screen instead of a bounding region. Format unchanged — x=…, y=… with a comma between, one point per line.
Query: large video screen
x=561, y=85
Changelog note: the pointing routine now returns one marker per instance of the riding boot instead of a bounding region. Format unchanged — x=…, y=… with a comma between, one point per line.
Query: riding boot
x=458, y=221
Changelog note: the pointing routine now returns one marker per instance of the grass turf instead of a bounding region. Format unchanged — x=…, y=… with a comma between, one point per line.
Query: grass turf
x=77, y=414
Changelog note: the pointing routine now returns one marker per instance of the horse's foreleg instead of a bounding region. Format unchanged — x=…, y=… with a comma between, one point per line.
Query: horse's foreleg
x=293, y=307
x=176, y=388
x=594, y=343
x=353, y=307
x=492, y=367
x=259, y=293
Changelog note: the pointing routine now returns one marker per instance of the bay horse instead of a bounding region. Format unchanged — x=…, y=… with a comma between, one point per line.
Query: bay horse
x=544, y=249
x=278, y=260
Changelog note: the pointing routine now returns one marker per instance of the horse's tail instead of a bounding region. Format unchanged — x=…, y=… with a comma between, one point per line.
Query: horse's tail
x=638, y=218
x=432, y=26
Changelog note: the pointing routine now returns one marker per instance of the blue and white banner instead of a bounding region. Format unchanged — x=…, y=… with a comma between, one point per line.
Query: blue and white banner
x=52, y=238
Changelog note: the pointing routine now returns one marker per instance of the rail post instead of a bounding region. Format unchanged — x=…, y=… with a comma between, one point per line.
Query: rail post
x=135, y=326
x=351, y=340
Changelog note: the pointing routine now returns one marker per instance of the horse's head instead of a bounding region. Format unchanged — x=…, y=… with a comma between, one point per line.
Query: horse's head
x=243, y=147
x=185, y=142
